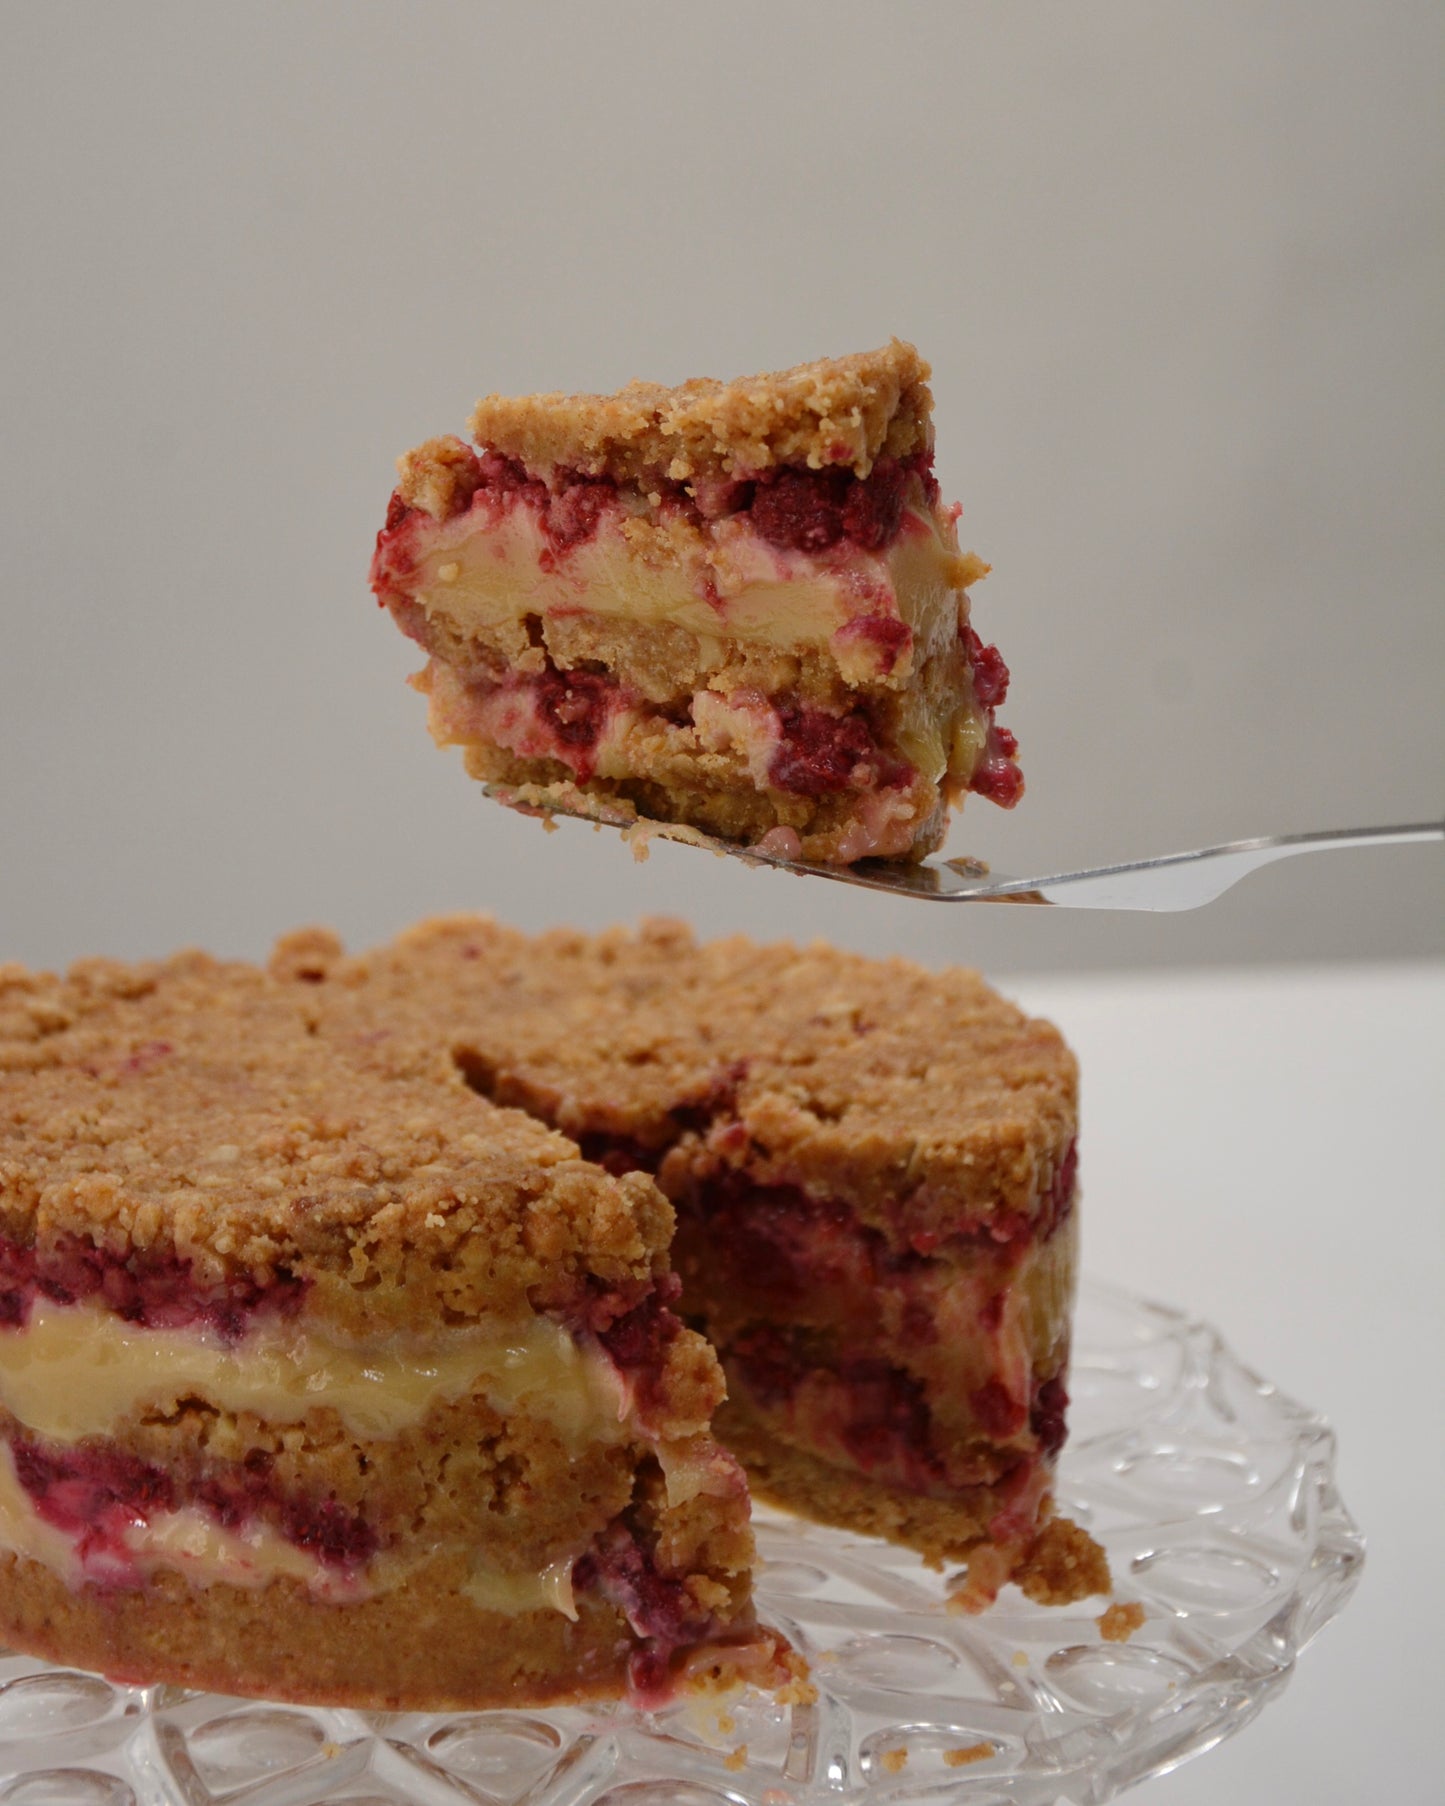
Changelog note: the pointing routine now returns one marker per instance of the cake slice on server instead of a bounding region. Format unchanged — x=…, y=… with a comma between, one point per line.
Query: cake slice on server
x=733, y=608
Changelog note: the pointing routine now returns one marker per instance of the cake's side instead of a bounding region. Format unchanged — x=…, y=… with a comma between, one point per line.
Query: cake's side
x=737, y=607
x=333, y=1384
x=874, y=1172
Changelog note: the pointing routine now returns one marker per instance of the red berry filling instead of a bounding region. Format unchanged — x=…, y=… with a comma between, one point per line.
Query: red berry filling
x=818, y=753
x=158, y=1290
x=996, y=775
x=97, y=1494
x=792, y=508
x=576, y=705
x=660, y=1611
x=1048, y=1414
x=774, y=1253
x=811, y=510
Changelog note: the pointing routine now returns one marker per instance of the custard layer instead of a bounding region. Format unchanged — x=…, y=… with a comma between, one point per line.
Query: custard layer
x=76, y=1371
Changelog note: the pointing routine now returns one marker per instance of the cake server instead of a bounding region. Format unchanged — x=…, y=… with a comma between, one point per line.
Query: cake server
x=1168, y=881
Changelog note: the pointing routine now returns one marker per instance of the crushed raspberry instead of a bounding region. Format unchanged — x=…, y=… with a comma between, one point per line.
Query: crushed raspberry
x=779, y=1242
x=99, y=1494
x=873, y=510
x=999, y=1414
x=636, y=1334
x=818, y=752
x=499, y=476
x=990, y=673
x=659, y=1610
x=811, y=510
x=771, y=1363
x=95, y=1496
x=573, y=513
x=326, y=1529
x=891, y=636
x=801, y=510
x=889, y=1421
x=157, y=1290
x=996, y=776
x=397, y=510
x=641, y=1337
x=576, y=704
x=1049, y=1413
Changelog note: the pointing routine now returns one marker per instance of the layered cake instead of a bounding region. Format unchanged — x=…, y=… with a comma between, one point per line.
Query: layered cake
x=738, y=609
x=874, y=1174
x=361, y=1319
x=329, y=1381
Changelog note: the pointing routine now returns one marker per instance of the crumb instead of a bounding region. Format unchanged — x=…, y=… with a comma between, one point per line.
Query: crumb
x=797, y=1692
x=738, y=1759
x=1063, y=1564
x=894, y=1761
x=1120, y=1621
x=973, y=1752
x=978, y=1586
x=1020, y=1658
x=726, y=1724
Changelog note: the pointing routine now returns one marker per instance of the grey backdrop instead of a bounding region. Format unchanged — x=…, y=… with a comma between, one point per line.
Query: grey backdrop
x=1179, y=272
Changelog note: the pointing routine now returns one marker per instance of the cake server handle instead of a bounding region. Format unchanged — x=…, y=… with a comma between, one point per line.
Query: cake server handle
x=1170, y=881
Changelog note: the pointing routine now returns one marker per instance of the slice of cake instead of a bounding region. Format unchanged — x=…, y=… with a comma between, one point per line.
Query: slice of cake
x=737, y=608
x=326, y=1381
x=875, y=1177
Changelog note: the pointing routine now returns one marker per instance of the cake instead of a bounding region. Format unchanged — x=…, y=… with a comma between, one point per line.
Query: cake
x=348, y=1353
x=331, y=1383
x=874, y=1172
x=734, y=609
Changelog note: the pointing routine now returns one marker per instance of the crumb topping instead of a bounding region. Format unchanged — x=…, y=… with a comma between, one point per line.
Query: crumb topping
x=918, y=1096
x=186, y=1111
x=840, y=413
x=367, y=1125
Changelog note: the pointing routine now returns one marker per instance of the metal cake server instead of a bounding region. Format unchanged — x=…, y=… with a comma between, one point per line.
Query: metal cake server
x=1169, y=881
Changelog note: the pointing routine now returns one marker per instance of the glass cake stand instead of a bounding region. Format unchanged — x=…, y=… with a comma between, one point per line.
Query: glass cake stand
x=1213, y=1494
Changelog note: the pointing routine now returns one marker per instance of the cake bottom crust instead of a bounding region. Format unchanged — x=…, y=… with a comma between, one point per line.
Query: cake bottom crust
x=827, y=830
x=421, y=1647
x=999, y=1533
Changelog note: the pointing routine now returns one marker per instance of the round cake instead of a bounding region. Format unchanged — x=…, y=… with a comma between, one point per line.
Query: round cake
x=364, y=1320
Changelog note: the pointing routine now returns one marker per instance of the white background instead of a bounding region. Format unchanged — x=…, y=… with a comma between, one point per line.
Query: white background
x=1181, y=275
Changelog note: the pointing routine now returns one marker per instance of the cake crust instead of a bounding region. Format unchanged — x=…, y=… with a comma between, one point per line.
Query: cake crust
x=183, y=1106
x=839, y=412
x=884, y=1078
